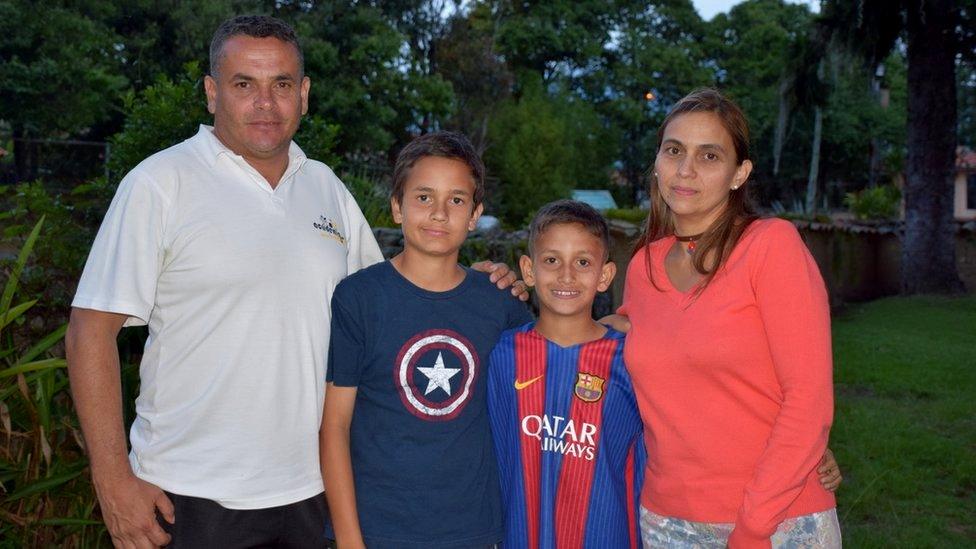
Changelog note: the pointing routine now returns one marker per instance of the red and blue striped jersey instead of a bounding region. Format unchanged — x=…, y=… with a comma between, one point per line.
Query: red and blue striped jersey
x=569, y=441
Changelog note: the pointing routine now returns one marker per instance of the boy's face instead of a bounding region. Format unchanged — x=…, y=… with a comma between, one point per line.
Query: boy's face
x=567, y=270
x=438, y=206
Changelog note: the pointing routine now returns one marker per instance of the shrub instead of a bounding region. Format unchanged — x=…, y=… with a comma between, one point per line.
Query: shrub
x=543, y=145
x=160, y=116
x=48, y=498
x=881, y=202
x=373, y=198
x=72, y=218
x=631, y=215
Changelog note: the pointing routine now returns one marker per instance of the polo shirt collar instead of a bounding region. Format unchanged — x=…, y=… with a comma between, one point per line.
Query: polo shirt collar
x=212, y=149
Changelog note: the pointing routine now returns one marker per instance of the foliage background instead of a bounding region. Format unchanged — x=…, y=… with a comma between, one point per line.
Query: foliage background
x=557, y=95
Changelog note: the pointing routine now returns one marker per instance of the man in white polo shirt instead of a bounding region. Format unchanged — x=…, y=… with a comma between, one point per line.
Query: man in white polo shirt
x=228, y=246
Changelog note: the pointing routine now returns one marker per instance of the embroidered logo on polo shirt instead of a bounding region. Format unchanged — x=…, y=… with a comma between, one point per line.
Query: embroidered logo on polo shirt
x=434, y=374
x=327, y=228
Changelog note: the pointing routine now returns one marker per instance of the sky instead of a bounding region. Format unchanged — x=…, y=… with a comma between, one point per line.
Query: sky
x=709, y=8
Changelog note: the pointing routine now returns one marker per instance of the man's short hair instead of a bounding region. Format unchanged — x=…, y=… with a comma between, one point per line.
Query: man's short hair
x=443, y=144
x=563, y=212
x=257, y=26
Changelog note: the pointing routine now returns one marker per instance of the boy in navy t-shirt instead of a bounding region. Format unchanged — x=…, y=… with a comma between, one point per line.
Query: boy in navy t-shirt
x=406, y=448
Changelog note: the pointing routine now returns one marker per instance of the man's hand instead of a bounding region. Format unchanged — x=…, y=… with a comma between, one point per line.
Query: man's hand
x=503, y=277
x=620, y=323
x=129, y=511
x=128, y=503
x=829, y=472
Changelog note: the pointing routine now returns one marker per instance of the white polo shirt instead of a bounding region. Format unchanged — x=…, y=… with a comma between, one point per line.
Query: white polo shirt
x=234, y=280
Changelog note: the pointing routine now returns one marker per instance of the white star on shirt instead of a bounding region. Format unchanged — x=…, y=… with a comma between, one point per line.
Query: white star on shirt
x=439, y=376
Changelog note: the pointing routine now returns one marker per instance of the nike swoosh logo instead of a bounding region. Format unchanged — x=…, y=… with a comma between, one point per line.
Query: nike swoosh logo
x=519, y=385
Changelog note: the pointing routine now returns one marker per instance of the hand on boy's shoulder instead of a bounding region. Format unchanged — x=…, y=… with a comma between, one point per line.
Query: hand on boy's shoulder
x=504, y=277
x=618, y=322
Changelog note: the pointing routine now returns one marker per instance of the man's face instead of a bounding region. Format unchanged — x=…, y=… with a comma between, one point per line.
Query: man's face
x=258, y=97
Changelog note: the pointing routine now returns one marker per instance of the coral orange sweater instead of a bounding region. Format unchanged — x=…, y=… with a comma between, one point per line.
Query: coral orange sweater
x=734, y=386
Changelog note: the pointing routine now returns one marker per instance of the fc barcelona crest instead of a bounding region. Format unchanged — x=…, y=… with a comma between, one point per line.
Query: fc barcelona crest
x=589, y=388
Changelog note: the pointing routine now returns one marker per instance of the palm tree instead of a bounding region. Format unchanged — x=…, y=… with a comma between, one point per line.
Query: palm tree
x=935, y=32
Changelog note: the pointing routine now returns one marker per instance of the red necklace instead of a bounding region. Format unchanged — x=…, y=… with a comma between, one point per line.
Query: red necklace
x=691, y=240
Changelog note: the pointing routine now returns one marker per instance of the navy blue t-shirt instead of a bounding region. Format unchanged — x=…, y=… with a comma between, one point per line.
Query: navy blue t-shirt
x=422, y=456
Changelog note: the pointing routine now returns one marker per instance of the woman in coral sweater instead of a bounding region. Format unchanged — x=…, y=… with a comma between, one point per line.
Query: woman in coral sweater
x=729, y=350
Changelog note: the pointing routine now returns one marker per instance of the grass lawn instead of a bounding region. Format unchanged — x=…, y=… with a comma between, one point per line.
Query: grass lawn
x=905, y=422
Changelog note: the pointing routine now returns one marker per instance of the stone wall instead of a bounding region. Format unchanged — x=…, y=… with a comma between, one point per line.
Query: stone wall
x=859, y=262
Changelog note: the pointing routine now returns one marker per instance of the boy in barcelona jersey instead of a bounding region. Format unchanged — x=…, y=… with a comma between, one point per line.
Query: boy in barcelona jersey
x=406, y=450
x=567, y=431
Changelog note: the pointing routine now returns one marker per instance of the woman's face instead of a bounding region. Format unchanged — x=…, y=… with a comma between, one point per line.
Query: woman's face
x=696, y=168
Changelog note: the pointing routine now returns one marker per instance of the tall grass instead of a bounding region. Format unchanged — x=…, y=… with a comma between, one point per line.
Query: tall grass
x=45, y=493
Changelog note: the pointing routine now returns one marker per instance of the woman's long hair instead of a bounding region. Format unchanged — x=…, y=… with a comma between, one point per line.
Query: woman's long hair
x=716, y=243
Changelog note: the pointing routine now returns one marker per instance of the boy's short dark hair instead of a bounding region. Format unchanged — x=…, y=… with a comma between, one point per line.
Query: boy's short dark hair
x=256, y=26
x=453, y=145
x=566, y=211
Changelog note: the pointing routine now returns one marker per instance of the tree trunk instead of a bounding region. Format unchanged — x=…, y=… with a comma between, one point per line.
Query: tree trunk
x=929, y=252
x=874, y=158
x=814, y=173
x=781, y=119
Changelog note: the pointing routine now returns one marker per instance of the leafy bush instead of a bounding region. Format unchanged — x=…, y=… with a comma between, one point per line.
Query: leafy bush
x=373, y=198
x=798, y=211
x=160, y=116
x=542, y=146
x=72, y=218
x=631, y=215
x=881, y=202
x=48, y=499
x=500, y=247
x=318, y=139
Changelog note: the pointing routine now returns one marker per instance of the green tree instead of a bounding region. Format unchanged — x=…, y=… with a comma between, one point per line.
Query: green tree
x=966, y=82
x=655, y=58
x=754, y=45
x=551, y=38
x=364, y=79
x=479, y=77
x=160, y=38
x=543, y=145
x=160, y=116
x=935, y=32
x=815, y=114
x=58, y=71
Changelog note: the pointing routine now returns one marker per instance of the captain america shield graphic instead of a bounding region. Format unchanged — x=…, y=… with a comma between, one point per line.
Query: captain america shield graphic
x=434, y=374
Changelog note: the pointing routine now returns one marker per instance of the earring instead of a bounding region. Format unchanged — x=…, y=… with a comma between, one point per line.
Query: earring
x=735, y=187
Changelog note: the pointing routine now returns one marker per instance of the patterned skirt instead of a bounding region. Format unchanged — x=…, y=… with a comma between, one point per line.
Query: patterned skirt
x=814, y=531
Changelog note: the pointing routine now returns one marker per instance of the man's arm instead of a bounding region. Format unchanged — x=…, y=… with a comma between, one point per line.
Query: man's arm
x=128, y=503
x=504, y=277
x=336, y=465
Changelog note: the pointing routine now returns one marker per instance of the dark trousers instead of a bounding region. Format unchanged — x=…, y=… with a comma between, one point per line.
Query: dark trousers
x=202, y=523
